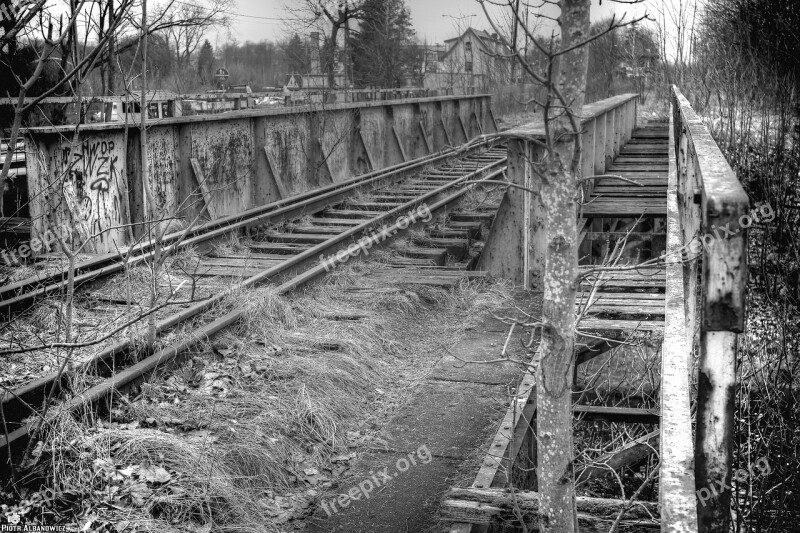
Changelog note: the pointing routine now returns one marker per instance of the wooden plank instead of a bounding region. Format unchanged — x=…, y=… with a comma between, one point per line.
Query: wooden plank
x=608, y=284
x=457, y=248
x=647, y=298
x=437, y=255
x=498, y=455
x=411, y=276
x=497, y=505
x=474, y=228
x=632, y=415
x=410, y=262
x=250, y=255
x=619, y=235
x=637, y=272
x=296, y=237
x=279, y=247
x=603, y=324
x=625, y=310
x=472, y=216
x=201, y=182
x=315, y=228
x=723, y=202
x=351, y=213
x=326, y=221
x=373, y=206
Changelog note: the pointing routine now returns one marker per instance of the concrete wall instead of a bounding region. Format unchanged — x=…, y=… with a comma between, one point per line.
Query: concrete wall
x=91, y=181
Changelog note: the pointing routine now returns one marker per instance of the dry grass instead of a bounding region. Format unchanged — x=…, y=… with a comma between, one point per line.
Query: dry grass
x=257, y=417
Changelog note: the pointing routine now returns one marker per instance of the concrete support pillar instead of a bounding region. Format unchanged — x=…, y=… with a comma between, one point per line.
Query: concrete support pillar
x=515, y=249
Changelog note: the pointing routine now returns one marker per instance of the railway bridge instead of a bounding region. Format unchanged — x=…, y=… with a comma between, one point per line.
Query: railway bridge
x=663, y=244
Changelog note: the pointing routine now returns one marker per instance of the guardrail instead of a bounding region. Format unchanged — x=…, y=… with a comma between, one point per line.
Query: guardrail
x=707, y=207
x=228, y=163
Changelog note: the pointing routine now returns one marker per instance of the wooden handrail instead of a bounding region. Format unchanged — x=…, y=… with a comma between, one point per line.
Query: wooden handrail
x=676, y=476
x=713, y=207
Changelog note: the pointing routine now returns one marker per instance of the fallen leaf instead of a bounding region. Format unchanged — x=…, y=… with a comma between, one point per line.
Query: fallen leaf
x=154, y=474
x=139, y=493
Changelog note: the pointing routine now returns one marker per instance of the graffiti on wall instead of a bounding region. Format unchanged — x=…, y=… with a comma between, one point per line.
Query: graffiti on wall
x=93, y=174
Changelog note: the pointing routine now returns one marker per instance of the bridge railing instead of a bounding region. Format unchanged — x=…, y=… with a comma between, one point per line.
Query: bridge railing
x=708, y=217
x=607, y=125
x=233, y=162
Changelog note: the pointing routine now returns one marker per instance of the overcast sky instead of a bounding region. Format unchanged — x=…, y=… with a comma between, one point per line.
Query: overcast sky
x=433, y=20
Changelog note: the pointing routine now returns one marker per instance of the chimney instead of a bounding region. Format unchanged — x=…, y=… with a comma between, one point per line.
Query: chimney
x=314, y=53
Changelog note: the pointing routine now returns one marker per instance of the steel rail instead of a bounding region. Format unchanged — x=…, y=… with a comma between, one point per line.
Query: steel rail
x=14, y=297
x=34, y=392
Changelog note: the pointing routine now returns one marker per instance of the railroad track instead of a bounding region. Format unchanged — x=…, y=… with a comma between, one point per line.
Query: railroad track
x=22, y=295
x=307, y=235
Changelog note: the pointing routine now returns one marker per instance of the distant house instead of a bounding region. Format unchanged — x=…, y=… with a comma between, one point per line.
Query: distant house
x=473, y=59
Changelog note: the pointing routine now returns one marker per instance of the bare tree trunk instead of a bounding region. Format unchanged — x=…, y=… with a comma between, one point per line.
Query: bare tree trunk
x=330, y=55
x=153, y=222
x=560, y=196
x=111, y=50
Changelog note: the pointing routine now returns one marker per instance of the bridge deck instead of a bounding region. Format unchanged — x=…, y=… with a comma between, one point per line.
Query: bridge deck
x=630, y=215
x=626, y=220
x=643, y=160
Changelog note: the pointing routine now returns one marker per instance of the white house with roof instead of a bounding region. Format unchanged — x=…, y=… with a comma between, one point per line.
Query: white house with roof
x=473, y=59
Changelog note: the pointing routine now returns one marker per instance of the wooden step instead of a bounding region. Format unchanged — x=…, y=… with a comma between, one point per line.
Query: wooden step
x=447, y=233
x=606, y=324
x=310, y=238
x=458, y=248
x=351, y=213
x=618, y=207
x=373, y=206
x=474, y=228
x=326, y=221
x=472, y=216
x=319, y=229
x=437, y=255
x=283, y=248
x=405, y=262
x=440, y=277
